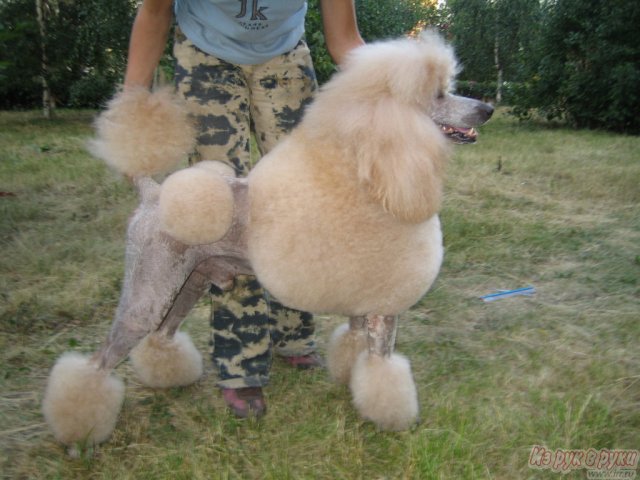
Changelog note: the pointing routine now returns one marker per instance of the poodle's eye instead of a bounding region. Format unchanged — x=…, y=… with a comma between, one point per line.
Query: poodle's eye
x=440, y=95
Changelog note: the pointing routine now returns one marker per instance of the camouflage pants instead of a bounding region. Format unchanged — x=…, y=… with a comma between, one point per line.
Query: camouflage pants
x=228, y=103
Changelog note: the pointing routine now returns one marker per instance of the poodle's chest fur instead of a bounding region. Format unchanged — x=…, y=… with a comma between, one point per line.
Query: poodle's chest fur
x=318, y=242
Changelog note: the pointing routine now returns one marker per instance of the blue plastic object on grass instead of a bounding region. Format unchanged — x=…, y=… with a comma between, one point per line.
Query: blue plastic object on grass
x=499, y=295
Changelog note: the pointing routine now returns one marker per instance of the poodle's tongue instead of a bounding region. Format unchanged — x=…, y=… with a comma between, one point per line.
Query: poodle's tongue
x=460, y=135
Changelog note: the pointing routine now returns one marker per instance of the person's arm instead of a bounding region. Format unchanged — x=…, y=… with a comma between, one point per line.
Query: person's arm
x=340, y=27
x=148, y=40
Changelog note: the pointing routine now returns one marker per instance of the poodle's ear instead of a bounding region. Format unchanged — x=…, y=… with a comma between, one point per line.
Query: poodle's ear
x=401, y=162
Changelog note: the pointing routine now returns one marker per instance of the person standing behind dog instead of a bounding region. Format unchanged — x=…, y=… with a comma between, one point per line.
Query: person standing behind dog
x=242, y=66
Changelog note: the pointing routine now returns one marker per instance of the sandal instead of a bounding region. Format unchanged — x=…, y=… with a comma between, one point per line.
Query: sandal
x=245, y=401
x=304, y=362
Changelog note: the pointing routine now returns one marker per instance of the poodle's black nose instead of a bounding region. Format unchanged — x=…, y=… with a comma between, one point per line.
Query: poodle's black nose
x=487, y=111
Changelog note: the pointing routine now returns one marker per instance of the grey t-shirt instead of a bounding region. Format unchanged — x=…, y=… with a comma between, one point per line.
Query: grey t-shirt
x=245, y=32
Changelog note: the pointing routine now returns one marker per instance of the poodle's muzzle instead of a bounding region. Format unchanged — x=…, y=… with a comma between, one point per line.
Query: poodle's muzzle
x=457, y=117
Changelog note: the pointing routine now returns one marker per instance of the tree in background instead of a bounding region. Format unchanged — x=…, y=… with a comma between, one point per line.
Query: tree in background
x=471, y=30
x=43, y=13
x=586, y=67
x=393, y=18
x=20, y=55
x=84, y=42
x=377, y=20
x=576, y=60
x=515, y=34
x=492, y=38
x=89, y=40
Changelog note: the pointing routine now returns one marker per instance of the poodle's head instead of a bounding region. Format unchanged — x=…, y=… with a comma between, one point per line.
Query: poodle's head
x=419, y=73
x=392, y=109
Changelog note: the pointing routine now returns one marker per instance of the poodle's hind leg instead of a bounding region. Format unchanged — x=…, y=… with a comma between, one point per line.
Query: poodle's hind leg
x=167, y=357
x=346, y=343
x=381, y=383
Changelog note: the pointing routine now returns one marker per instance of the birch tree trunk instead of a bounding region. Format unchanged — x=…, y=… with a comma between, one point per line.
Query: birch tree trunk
x=496, y=60
x=43, y=10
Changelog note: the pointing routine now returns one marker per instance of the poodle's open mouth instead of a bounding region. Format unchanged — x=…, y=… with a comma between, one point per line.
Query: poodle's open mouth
x=460, y=135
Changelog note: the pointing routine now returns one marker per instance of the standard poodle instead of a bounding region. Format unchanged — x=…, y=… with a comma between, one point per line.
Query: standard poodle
x=341, y=217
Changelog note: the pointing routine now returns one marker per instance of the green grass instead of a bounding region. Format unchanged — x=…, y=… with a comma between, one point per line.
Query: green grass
x=528, y=205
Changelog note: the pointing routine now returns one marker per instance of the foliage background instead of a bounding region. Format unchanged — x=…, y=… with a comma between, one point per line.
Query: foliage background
x=577, y=61
x=86, y=43
x=586, y=65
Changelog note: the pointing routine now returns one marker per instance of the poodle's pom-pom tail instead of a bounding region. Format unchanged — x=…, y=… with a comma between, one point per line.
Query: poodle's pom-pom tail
x=384, y=392
x=164, y=362
x=81, y=402
x=196, y=206
x=344, y=347
x=143, y=133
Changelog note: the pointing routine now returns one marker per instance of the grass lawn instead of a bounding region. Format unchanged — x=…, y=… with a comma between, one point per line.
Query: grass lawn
x=529, y=205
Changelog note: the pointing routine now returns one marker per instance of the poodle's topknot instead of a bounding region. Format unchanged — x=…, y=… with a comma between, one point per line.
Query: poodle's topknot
x=411, y=70
x=143, y=133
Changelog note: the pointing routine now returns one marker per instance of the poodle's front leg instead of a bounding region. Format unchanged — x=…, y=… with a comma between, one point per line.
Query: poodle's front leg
x=381, y=334
x=381, y=383
x=193, y=289
x=167, y=357
x=346, y=343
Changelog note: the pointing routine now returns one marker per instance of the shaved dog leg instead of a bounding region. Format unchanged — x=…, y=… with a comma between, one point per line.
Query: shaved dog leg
x=128, y=329
x=168, y=358
x=381, y=334
x=191, y=292
x=357, y=324
x=347, y=342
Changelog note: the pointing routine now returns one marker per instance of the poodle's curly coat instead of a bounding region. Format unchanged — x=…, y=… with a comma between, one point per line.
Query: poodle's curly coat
x=341, y=217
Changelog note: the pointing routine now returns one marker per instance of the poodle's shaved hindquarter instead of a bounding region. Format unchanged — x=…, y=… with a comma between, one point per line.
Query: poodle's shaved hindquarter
x=341, y=218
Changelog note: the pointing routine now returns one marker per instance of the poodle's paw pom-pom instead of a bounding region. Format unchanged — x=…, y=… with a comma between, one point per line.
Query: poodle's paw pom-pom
x=81, y=402
x=143, y=133
x=163, y=362
x=384, y=392
x=196, y=206
x=344, y=347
